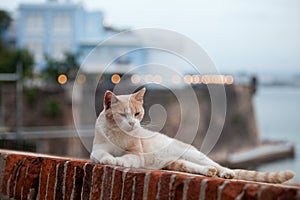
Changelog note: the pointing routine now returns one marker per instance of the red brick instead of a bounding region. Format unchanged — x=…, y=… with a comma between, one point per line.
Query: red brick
x=48, y=178
x=19, y=182
x=212, y=187
x=288, y=193
x=87, y=181
x=195, y=187
x=78, y=182
x=232, y=189
x=165, y=185
x=251, y=191
x=59, y=181
x=97, y=182
x=74, y=177
x=128, y=184
x=77, y=179
x=107, y=184
x=69, y=179
x=139, y=186
x=32, y=178
x=177, y=186
x=11, y=160
x=153, y=184
x=139, y=178
x=14, y=176
x=117, y=189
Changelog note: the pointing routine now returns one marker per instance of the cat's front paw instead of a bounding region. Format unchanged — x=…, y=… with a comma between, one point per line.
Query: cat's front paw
x=226, y=173
x=108, y=161
x=125, y=163
x=211, y=171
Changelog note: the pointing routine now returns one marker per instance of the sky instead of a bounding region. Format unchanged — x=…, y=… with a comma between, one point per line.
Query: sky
x=240, y=36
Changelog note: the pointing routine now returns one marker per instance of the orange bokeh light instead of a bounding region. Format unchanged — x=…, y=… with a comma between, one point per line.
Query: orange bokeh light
x=115, y=79
x=62, y=79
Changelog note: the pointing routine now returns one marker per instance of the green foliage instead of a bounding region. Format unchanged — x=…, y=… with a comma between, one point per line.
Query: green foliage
x=5, y=20
x=52, y=108
x=54, y=68
x=9, y=58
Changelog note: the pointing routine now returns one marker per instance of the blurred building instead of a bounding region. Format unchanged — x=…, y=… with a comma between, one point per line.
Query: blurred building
x=52, y=28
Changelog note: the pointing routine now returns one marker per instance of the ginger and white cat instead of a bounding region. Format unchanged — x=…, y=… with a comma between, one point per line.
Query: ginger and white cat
x=120, y=140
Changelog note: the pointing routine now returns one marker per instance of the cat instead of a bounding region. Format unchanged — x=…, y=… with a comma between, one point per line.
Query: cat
x=120, y=140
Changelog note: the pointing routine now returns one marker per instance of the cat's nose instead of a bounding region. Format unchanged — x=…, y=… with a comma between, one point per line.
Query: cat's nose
x=131, y=123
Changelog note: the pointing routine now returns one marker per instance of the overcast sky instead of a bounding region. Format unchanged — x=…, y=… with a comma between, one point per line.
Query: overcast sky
x=254, y=36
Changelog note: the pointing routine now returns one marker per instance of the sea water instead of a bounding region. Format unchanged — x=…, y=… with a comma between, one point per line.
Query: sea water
x=277, y=110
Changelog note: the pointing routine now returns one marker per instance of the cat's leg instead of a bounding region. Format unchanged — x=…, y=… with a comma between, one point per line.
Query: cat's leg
x=103, y=154
x=103, y=157
x=198, y=157
x=187, y=166
x=130, y=160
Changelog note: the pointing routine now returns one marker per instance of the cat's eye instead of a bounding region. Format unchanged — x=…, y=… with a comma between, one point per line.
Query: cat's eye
x=136, y=114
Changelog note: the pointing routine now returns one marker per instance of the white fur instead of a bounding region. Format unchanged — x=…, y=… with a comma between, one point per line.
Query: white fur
x=151, y=150
x=122, y=141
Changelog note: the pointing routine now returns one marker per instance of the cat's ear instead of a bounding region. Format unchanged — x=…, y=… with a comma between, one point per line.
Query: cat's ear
x=139, y=95
x=109, y=98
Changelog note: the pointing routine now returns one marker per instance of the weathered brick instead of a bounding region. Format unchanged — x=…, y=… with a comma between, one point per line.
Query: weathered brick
x=251, y=191
x=177, y=186
x=69, y=180
x=212, y=187
x=78, y=182
x=14, y=176
x=107, y=184
x=20, y=178
x=35, y=177
x=287, y=193
x=139, y=185
x=127, y=185
x=48, y=176
x=194, y=188
x=117, y=189
x=11, y=161
x=153, y=184
x=231, y=190
x=165, y=185
x=87, y=181
x=31, y=183
x=59, y=181
x=74, y=179
x=97, y=182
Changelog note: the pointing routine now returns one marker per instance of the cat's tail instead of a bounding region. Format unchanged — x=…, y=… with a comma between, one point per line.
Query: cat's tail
x=268, y=177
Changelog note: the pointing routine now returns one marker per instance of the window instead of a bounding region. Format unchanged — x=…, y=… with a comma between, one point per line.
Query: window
x=62, y=24
x=36, y=47
x=34, y=24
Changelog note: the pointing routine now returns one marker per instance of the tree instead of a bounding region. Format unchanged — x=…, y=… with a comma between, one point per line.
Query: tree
x=68, y=66
x=5, y=21
x=71, y=64
x=9, y=58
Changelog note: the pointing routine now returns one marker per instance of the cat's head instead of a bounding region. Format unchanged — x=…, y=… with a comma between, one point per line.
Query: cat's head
x=125, y=110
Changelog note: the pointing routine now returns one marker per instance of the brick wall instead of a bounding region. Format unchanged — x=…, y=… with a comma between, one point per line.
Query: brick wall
x=36, y=176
